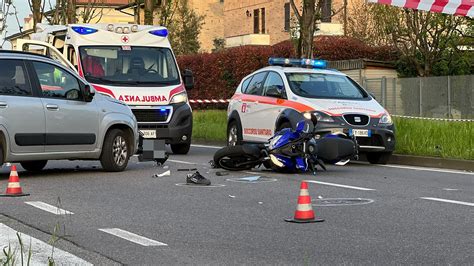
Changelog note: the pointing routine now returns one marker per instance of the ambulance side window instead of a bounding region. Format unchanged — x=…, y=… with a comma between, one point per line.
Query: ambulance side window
x=256, y=84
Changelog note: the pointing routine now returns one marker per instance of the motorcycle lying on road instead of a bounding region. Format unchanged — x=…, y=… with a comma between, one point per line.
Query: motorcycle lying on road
x=290, y=150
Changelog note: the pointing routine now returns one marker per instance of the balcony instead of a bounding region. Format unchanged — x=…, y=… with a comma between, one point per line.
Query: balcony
x=248, y=39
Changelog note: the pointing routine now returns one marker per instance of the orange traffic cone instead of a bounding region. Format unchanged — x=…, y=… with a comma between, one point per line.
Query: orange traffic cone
x=14, y=187
x=304, y=211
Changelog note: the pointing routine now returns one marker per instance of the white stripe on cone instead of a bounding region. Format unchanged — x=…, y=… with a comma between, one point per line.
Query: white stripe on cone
x=304, y=207
x=13, y=185
x=304, y=192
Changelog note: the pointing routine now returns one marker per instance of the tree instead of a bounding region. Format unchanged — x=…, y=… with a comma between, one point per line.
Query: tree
x=423, y=38
x=93, y=10
x=307, y=21
x=185, y=29
x=149, y=10
x=37, y=10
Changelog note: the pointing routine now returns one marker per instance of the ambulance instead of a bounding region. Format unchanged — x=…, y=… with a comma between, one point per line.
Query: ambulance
x=291, y=90
x=131, y=63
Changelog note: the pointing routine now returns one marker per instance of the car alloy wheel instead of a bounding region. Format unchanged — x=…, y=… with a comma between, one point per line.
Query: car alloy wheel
x=232, y=139
x=120, y=152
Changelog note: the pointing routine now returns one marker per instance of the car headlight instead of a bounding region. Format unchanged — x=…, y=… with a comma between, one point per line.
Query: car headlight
x=322, y=117
x=179, y=98
x=386, y=119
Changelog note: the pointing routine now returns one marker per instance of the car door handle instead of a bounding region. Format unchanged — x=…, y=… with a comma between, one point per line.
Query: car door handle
x=52, y=107
x=3, y=105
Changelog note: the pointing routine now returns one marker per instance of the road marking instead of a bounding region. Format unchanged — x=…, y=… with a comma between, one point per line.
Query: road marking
x=40, y=250
x=183, y=162
x=450, y=201
x=451, y=189
x=132, y=237
x=339, y=185
x=49, y=208
x=429, y=169
x=206, y=146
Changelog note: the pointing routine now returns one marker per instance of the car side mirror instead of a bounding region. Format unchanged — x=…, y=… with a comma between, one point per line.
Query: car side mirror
x=188, y=79
x=275, y=91
x=88, y=93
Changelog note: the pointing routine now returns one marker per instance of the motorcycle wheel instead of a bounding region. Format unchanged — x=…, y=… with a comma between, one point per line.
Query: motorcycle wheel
x=236, y=158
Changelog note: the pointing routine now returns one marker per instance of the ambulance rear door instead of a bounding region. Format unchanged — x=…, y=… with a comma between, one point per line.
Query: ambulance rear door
x=43, y=48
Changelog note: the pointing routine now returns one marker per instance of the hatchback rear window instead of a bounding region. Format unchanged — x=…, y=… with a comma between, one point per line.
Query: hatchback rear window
x=13, y=78
x=316, y=85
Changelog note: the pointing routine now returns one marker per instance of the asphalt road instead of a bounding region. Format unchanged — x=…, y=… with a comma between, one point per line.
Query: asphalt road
x=411, y=216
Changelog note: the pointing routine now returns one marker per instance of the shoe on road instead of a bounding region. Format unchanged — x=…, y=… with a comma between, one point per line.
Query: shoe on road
x=197, y=179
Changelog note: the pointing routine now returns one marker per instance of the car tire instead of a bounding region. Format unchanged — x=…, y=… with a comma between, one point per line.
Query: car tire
x=378, y=157
x=115, y=151
x=182, y=148
x=1, y=156
x=34, y=166
x=234, y=133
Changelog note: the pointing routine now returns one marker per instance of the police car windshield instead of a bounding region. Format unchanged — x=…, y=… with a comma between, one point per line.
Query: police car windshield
x=317, y=85
x=129, y=65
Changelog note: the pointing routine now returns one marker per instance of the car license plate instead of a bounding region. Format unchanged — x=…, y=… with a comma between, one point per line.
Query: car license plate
x=149, y=134
x=360, y=132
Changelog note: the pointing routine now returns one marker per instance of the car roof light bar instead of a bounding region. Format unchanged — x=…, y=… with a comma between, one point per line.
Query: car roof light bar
x=83, y=30
x=291, y=62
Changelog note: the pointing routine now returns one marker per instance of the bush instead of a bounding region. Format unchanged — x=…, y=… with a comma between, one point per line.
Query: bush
x=217, y=75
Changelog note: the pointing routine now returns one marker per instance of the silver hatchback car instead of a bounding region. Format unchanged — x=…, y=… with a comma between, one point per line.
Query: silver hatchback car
x=48, y=112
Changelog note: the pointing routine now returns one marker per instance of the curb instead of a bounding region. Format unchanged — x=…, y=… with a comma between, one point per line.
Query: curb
x=433, y=162
x=466, y=165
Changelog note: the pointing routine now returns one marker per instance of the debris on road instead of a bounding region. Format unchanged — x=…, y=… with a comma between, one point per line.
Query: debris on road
x=231, y=196
x=250, y=178
x=197, y=179
x=260, y=202
x=187, y=169
x=220, y=173
x=167, y=173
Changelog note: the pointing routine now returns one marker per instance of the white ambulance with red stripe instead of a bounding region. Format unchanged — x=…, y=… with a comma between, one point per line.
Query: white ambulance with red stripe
x=132, y=63
x=291, y=90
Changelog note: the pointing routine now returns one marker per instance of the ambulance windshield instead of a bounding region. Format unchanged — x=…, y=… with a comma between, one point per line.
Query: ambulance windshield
x=129, y=65
x=316, y=85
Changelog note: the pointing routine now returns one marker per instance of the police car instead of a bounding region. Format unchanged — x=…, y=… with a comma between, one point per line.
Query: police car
x=290, y=90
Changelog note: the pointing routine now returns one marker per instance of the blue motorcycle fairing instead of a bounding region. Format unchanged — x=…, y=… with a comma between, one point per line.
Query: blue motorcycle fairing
x=287, y=135
x=301, y=164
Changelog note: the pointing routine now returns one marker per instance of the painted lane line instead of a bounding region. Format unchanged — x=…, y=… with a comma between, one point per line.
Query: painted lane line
x=451, y=189
x=40, y=250
x=49, y=208
x=183, y=162
x=450, y=201
x=132, y=237
x=205, y=146
x=339, y=185
x=429, y=169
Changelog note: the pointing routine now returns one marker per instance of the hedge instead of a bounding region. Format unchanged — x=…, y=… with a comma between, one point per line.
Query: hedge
x=218, y=74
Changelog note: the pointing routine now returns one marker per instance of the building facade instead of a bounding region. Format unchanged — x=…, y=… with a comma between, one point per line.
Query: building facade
x=267, y=22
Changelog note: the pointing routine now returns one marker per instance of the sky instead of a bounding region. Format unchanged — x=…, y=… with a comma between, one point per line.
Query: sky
x=23, y=10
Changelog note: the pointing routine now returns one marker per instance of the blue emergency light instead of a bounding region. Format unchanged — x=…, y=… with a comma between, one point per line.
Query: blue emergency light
x=83, y=30
x=160, y=32
x=291, y=62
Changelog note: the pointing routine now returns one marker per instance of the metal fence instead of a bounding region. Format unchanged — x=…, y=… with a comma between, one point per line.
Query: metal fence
x=449, y=97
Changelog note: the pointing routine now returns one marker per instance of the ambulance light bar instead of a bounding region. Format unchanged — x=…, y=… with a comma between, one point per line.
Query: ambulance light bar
x=289, y=62
x=160, y=32
x=83, y=30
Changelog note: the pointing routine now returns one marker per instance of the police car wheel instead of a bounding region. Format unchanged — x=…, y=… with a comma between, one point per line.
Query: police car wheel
x=378, y=157
x=115, y=155
x=284, y=125
x=34, y=166
x=182, y=148
x=234, y=134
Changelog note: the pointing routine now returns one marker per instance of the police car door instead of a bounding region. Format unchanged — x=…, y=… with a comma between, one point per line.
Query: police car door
x=270, y=106
x=251, y=108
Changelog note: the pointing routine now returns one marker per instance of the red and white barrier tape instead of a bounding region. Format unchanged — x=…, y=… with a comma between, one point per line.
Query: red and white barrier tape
x=435, y=119
x=209, y=101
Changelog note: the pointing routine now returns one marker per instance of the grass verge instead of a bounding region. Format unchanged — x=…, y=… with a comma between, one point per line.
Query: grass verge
x=443, y=139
